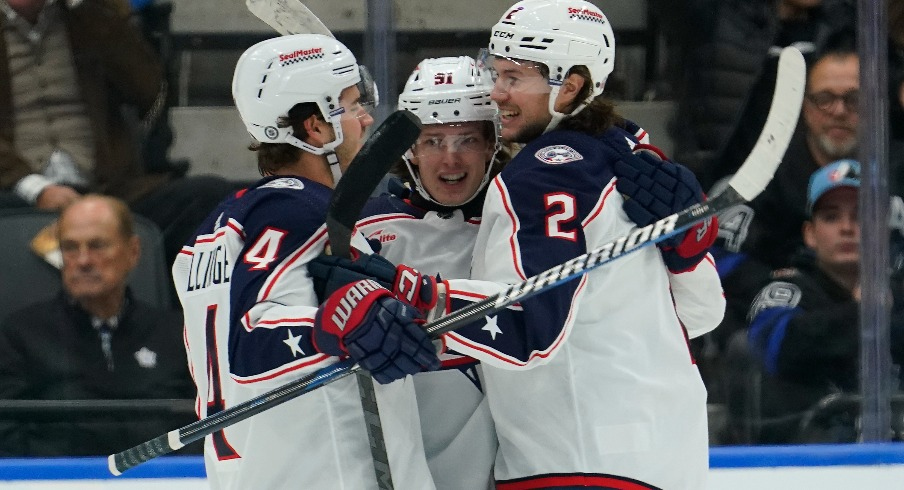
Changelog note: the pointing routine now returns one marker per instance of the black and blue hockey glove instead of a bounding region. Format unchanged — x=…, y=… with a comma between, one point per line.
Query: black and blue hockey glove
x=654, y=188
x=362, y=320
x=330, y=273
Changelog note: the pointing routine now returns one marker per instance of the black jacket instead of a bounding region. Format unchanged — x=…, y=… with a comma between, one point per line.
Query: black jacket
x=727, y=73
x=805, y=334
x=51, y=351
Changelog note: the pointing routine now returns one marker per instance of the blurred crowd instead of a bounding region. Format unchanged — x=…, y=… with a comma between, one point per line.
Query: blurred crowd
x=85, y=94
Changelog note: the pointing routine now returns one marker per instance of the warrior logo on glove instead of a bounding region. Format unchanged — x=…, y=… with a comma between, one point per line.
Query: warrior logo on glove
x=343, y=311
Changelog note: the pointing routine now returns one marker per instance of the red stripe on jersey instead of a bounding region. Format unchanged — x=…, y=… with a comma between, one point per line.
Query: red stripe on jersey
x=516, y=257
x=274, y=278
x=599, y=205
x=383, y=217
x=457, y=361
x=472, y=296
x=291, y=321
x=608, y=482
x=292, y=367
x=222, y=231
x=534, y=354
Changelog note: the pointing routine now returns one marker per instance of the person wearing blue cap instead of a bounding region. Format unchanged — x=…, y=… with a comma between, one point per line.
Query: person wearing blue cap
x=804, y=325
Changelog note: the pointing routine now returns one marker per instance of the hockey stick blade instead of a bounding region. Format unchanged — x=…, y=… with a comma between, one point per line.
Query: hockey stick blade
x=287, y=17
x=749, y=181
x=385, y=146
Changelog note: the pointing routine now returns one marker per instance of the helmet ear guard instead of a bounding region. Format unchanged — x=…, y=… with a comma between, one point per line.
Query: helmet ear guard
x=447, y=91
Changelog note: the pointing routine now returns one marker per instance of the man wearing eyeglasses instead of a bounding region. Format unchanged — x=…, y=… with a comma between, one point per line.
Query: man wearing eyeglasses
x=829, y=132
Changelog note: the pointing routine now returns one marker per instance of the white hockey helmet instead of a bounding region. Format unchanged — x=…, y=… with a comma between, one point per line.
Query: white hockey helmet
x=559, y=34
x=446, y=91
x=274, y=75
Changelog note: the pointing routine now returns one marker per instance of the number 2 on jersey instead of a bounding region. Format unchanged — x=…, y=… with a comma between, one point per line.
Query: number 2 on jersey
x=563, y=211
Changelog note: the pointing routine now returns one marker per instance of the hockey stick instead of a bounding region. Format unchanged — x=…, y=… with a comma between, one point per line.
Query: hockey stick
x=747, y=183
x=358, y=182
x=287, y=17
x=395, y=136
x=384, y=147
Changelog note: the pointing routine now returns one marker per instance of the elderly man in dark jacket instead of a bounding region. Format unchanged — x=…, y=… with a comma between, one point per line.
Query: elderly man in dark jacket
x=94, y=341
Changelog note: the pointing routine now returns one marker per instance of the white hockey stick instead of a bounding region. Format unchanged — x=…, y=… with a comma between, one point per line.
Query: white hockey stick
x=747, y=183
x=287, y=17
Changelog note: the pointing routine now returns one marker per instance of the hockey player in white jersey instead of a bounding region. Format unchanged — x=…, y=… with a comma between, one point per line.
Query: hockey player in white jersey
x=591, y=383
x=433, y=227
x=251, y=317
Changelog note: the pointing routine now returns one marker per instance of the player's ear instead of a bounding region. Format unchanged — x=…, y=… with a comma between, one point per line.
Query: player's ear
x=569, y=91
x=318, y=131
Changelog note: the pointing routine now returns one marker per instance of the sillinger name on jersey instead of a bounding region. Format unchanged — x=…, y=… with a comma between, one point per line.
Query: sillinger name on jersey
x=209, y=267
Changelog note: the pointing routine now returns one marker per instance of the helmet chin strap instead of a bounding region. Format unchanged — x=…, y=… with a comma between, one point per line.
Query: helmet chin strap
x=333, y=160
x=328, y=150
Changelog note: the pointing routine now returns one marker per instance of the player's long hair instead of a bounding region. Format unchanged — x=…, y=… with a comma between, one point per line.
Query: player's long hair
x=273, y=157
x=599, y=115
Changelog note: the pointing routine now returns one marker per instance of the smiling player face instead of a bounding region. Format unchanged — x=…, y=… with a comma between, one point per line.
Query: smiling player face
x=451, y=160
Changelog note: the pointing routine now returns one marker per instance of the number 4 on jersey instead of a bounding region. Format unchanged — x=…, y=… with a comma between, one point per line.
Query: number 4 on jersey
x=266, y=249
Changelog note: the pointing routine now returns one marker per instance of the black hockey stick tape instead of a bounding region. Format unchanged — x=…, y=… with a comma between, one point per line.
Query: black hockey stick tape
x=385, y=146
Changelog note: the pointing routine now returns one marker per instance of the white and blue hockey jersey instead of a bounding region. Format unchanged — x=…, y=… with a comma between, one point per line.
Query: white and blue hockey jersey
x=459, y=438
x=249, y=306
x=590, y=383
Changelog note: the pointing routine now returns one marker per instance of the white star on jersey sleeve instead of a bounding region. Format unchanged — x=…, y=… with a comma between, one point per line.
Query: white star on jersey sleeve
x=292, y=342
x=492, y=327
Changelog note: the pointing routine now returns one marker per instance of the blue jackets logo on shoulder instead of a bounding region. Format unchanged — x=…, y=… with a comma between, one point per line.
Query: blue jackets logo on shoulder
x=558, y=154
x=285, y=183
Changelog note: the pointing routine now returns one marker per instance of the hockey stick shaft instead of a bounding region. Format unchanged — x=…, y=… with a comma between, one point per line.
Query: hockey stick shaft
x=385, y=147
x=747, y=183
x=287, y=17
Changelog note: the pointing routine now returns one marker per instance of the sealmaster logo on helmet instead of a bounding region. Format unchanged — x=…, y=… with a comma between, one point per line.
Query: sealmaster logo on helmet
x=586, y=14
x=300, y=55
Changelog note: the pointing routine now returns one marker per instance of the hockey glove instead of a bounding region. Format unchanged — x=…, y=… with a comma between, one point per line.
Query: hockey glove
x=407, y=284
x=362, y=320
x=655, y=188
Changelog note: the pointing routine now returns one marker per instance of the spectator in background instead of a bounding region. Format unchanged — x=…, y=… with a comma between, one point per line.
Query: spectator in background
x=727, y=69
x=763, y=235
x=804, y=328
x=828, y=132
x=94, y=341
x=68, y=70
